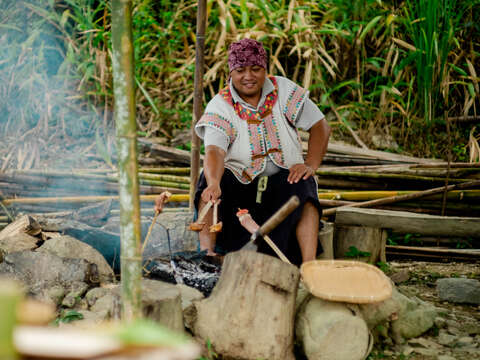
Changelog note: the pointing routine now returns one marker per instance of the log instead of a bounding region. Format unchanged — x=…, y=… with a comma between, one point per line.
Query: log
x=406, y=222
x=332, y=330
x=250, y=313
x=325, y=236
x=24, y=225
x=383, y=155
x=172, y=154
x=371, y=240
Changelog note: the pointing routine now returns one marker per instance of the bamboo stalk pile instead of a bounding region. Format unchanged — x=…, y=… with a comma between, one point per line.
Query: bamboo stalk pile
x=346, y=177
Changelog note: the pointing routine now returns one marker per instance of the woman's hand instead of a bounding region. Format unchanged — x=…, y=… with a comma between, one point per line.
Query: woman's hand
x=211, y=193
x=300, y=171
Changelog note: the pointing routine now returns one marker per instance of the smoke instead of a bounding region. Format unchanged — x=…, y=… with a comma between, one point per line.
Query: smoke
x=47, y=117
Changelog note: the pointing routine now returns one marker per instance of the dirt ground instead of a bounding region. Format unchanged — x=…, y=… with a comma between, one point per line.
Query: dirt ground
x=460, y=320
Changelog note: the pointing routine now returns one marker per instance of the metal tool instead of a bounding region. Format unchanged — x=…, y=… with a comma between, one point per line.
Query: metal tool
x=176, y=275
x=272, y=223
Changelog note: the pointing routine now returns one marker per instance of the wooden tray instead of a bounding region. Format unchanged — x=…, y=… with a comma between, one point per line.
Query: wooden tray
x=346, y=281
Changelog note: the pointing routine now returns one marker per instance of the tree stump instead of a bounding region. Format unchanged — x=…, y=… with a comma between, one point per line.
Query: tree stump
x=325, y=236
x=250, y=313
x=364, y=239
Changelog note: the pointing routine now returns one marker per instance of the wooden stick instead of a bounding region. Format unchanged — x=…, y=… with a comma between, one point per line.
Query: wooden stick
x=149, y=231
x=204, y=211
x=274, y=247
x=416, y=195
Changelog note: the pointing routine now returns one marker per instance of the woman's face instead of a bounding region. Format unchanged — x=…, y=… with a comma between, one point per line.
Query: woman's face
x=248, y=80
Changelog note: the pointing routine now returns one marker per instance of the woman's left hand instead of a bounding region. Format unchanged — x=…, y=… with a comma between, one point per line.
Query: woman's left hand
x=299, y=171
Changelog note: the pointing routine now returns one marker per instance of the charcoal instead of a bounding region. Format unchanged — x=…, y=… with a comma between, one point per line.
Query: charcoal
x=194, y=269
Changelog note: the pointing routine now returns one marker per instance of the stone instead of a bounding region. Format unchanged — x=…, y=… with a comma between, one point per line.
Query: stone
x=189, y=295
x=440, y=322
x=322, y=327
x=464, y=341
x=445, y=338
x=377, y=313
x=445, y=357
x=68, y=247
x=106, y=305
x=425, y=352
x=94, y=294
x=77, y=290
x=40, y=271
x=425, y=343
x=161, y=302
x=400, y=277
x=414, y=318
x=459, y=290
x=18, y=242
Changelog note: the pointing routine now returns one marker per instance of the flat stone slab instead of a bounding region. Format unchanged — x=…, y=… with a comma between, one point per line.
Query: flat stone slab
x=459, y=290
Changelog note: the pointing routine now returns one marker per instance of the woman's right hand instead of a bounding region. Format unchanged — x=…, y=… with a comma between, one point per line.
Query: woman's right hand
x=211, y=193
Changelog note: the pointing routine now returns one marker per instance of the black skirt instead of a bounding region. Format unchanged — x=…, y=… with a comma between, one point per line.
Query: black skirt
x=236, y=195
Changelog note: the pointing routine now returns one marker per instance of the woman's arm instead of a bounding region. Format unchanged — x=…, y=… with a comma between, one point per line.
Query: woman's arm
x=213, y=168
x=317, y=147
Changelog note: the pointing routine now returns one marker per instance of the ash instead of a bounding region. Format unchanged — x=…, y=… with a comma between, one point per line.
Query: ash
x=190, y=268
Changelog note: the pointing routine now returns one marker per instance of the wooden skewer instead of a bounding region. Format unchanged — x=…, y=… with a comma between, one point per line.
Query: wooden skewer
x=198, y=225
x=274, y=247
x=149, y=231
x=216, y=226
x=204, y=211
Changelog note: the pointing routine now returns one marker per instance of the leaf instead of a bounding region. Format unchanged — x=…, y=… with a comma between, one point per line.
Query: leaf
x=369, y=26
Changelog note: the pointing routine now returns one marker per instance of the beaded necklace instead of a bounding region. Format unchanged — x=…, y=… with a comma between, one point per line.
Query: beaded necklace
x=252, y=115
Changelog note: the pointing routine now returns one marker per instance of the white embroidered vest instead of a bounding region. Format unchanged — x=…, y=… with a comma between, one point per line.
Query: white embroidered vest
x=253, y=135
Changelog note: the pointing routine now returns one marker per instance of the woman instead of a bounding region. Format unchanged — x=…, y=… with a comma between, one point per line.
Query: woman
x=253, y=156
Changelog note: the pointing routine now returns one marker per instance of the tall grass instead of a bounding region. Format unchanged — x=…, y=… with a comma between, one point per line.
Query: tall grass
x=432, y=24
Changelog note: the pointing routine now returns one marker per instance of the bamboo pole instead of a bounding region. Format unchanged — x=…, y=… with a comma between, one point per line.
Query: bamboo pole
x=124, y=92
x=383, y=176
x=459, y=195
x=10, y=297
x=416, y=195
x=87, y=199
x=198, y=96
x=167, y=170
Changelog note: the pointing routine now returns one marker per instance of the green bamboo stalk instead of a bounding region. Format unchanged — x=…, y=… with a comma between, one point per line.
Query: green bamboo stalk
x=161, y=177
x=10, y=297
x=167, y=170
x=173, y=185
x=384, y=176
x=124, y=91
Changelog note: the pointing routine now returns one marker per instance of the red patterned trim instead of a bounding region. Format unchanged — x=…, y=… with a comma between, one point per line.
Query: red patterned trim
x=218, y=122
x=294, y=102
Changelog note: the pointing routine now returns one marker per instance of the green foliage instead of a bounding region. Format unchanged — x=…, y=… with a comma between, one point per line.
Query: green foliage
x=210, y=355
x=353, y=252
x=385, y=267
x=68, y=316
x=384, y=66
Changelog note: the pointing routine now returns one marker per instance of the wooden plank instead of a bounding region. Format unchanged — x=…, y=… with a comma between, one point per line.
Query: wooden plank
x=383, y=155
x=406, y=222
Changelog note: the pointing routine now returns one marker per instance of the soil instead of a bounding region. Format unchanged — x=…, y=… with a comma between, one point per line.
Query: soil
x=460, y=320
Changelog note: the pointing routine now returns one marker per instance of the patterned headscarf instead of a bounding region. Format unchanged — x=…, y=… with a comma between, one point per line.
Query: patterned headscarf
x=246, y=52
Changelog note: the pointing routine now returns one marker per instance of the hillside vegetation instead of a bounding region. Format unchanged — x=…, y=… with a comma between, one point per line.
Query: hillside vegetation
x=388, y=69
